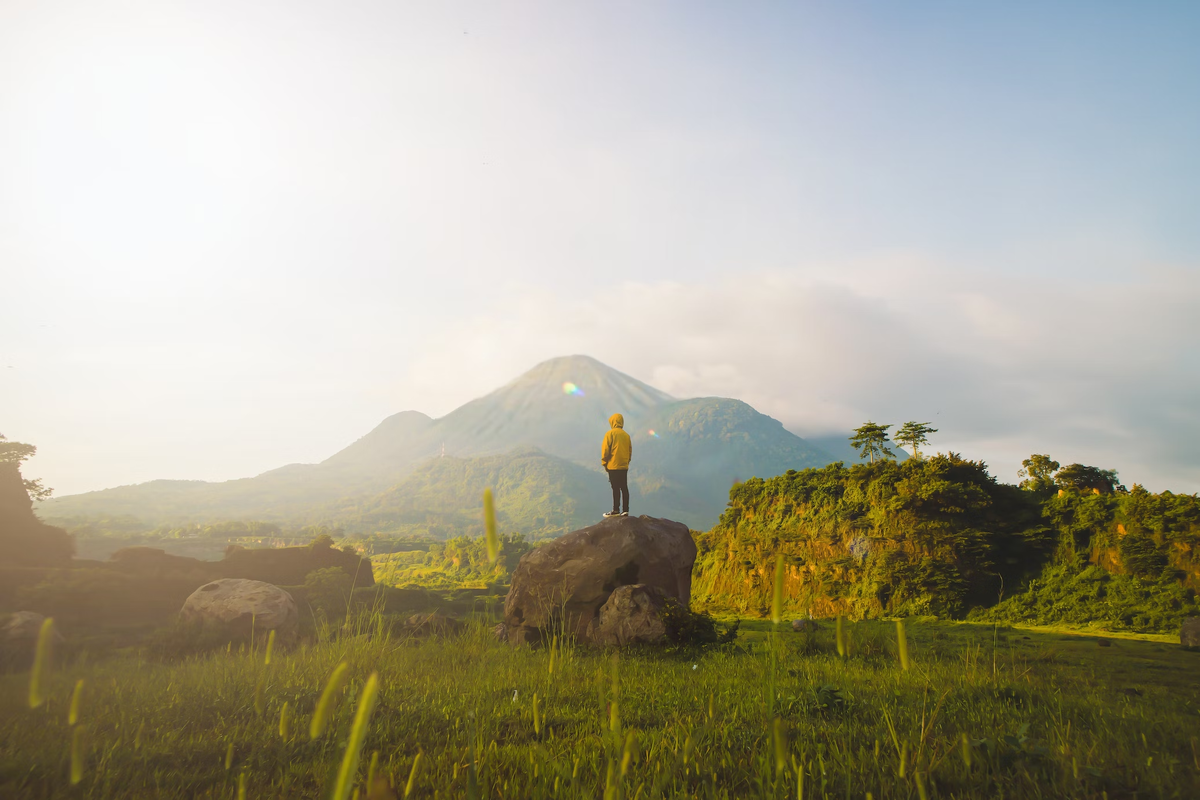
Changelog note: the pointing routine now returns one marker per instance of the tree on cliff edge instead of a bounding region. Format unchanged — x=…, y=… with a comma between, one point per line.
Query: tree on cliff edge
x=24, y=539
x=870, y=440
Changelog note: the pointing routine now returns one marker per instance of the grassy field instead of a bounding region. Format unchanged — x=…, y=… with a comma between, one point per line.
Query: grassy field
x=980, y=712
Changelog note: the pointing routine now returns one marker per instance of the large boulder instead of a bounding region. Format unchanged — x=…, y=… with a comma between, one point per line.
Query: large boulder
x=632, y=614
x=562, y=585
x=243, y=603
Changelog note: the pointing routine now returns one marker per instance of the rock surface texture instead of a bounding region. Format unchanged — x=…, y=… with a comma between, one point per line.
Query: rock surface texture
x=242, y=602
x=1189, y=632
x=632, y=614
x=565, y=583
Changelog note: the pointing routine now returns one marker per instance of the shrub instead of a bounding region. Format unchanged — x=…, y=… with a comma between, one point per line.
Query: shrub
x=687, y=628
x=328, y=590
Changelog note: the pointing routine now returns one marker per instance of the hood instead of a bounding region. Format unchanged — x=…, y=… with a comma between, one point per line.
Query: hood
x=616, y=421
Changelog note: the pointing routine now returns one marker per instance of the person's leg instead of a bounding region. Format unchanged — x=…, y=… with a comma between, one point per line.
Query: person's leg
x=625, y=490
x=614, y=481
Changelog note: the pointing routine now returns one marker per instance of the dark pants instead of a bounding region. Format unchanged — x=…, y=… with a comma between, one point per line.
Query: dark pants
x=619, y=480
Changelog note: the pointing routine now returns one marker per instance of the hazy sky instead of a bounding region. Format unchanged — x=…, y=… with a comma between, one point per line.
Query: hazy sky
x=236, y=235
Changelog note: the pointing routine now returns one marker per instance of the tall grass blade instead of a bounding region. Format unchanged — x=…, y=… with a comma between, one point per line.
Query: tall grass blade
x=77, y=756
x=285, y=721
x=841, y=636
x=489, y=524
x=76, y=703
x=781, y=745
x=412, y=775
x=901, y=644
x=372, y=770
x=270, y=649
x=328, y=698
x=40, y=676
x=358, y=733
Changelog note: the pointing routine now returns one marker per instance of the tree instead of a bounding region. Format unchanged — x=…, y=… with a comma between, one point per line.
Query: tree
x=1088, y=479
x=914, y=434
x=870, y=440
x=17, y=453
x=1038, y=472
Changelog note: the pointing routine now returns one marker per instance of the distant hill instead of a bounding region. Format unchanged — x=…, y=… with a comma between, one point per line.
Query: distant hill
x=684, y=470
x=536, y=494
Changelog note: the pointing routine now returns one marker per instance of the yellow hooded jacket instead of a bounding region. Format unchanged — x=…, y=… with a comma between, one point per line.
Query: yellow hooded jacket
x=618, y=447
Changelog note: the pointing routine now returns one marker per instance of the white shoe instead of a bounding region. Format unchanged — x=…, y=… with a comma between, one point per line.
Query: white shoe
x=611, y=514
x=624, y=513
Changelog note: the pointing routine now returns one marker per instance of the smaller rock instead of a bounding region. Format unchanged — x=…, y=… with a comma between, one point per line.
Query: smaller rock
x=434, y=623
x=1189, y=632
x=631, y=614
x=799, y=625
x=26, y=626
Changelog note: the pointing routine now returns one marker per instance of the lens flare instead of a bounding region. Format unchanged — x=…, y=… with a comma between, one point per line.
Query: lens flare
x=652, y=433
x=570, y=388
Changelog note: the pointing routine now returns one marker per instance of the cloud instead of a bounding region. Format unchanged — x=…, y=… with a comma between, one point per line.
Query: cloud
x=1004, y=366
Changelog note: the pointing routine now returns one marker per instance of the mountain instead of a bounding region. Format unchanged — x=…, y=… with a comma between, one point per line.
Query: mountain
x=687, y=453
x=561, y=407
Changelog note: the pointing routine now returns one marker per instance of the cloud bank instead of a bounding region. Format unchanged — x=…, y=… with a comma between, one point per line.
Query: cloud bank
x=1103, y=373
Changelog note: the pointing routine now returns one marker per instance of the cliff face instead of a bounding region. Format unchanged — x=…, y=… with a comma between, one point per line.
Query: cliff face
x=941, y=536
x=25, y=540
x=936, y=536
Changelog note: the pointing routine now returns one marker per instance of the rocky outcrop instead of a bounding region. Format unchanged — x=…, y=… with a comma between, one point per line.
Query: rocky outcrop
x=632, y=614
x=243, y=603
x=26, y=541
x=564, y=584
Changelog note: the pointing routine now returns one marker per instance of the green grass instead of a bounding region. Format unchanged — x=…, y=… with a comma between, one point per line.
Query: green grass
x=1044, y=713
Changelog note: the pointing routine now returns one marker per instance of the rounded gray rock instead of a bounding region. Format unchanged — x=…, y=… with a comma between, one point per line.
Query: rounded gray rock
x=243, y=602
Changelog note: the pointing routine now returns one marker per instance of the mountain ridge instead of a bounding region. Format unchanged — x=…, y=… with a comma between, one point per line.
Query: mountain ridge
x=687, y=452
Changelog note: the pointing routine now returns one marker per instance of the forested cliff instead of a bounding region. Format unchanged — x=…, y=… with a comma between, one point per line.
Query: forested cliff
x=942, y=536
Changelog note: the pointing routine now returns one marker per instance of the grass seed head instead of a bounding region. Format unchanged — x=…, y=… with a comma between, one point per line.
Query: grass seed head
x=76, y=703
x=77, y=754
x=328, y=698
x=39, y=678
x=489, y=524
x=358, y=733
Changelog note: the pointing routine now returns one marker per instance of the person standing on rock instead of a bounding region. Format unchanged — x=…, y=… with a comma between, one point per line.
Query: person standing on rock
x=615, y=455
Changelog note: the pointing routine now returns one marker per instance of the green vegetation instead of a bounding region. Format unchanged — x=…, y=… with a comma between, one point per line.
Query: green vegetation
x=979, y=713
x=922, y=536
x=1124, y=560
x=462, y=562
x=941, y=536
